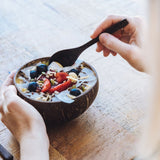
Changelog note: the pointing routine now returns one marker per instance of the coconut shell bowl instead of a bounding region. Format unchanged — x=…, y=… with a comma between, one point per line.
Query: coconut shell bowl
x=59, y=111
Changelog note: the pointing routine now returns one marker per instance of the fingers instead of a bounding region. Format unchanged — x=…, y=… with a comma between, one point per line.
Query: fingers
x=106, y=52
x=9, y=80
x=134, y=23
x=7, y=88
x=100, y=47
x=5, y=98
x=107, y=23
x=115, y=45
x=111, y=44
x=113, y=53
x=9, y=92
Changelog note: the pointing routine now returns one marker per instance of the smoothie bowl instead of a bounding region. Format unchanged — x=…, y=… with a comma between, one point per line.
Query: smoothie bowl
x=59, y=93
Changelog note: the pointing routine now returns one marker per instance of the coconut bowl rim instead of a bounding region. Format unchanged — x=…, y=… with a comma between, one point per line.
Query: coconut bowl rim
x=50, y=102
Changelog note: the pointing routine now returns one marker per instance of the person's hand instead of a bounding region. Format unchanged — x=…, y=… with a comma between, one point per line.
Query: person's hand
x=24, y=121
x=127, y=42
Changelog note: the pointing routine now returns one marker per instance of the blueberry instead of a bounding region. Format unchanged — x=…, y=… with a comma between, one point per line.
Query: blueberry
x=41, y=68
x=32, y=86
x=33, y=74
x=75, y=92
x=75, y=71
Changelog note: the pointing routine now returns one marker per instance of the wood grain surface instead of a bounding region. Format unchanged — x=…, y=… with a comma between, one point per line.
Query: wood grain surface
x=109, y=129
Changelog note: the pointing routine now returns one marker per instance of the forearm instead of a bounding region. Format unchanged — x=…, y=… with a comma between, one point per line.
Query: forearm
x=34, y=148
x=25, y=123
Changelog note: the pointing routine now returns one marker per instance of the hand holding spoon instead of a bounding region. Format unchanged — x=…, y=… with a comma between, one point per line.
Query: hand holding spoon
x=68, y=57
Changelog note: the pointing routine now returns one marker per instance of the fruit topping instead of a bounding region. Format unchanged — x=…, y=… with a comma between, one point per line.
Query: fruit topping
x=61, y=87
x=33, y=74
x=32, y=86
x=41, y=68
x=75, y=92
x=73, y=76
x=46, y=85
x=49, y=82
x=61, y=76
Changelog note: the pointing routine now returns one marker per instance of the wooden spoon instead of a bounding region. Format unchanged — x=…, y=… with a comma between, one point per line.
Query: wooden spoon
x=68, y=57
x=5, y=154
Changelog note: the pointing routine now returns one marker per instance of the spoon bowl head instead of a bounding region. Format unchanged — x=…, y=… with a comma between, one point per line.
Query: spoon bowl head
x=66, y=57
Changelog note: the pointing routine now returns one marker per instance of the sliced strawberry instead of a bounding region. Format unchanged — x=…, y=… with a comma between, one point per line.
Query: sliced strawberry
x=61, y=76
x=61, y=87
x=46, y=86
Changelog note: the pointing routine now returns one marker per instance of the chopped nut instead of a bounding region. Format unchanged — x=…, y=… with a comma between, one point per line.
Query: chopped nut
x=19, y=81
x=82, y=66
x=48, y=97
x=44, y=99
x=24, y=90
x=55, y=82
x=23, y=75
x=32, y=80
x=38, y=98
x=83, y=88
x=56, y=92
x=39, y=77
x=74, y=86
x=73, y=80
x=40, y=82
x=71, y=96
x=53, y=95
x=54, y=73
x=73, y=77
x=52, y=81
x=84, y=77
x=33, y=69
x=87, y=87
x=72, y=74
x=45, y=62
x=50, y=75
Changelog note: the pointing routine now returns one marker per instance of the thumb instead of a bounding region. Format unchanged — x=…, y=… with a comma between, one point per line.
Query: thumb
x=10, y=91
x=9, y=95
x=116, y=45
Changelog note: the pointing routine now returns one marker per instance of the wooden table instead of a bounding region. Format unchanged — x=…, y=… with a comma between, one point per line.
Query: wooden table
x=108, y=130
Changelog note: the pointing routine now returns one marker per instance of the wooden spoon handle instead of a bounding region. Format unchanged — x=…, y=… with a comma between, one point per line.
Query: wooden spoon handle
x=5, y=154
x=115, y=27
